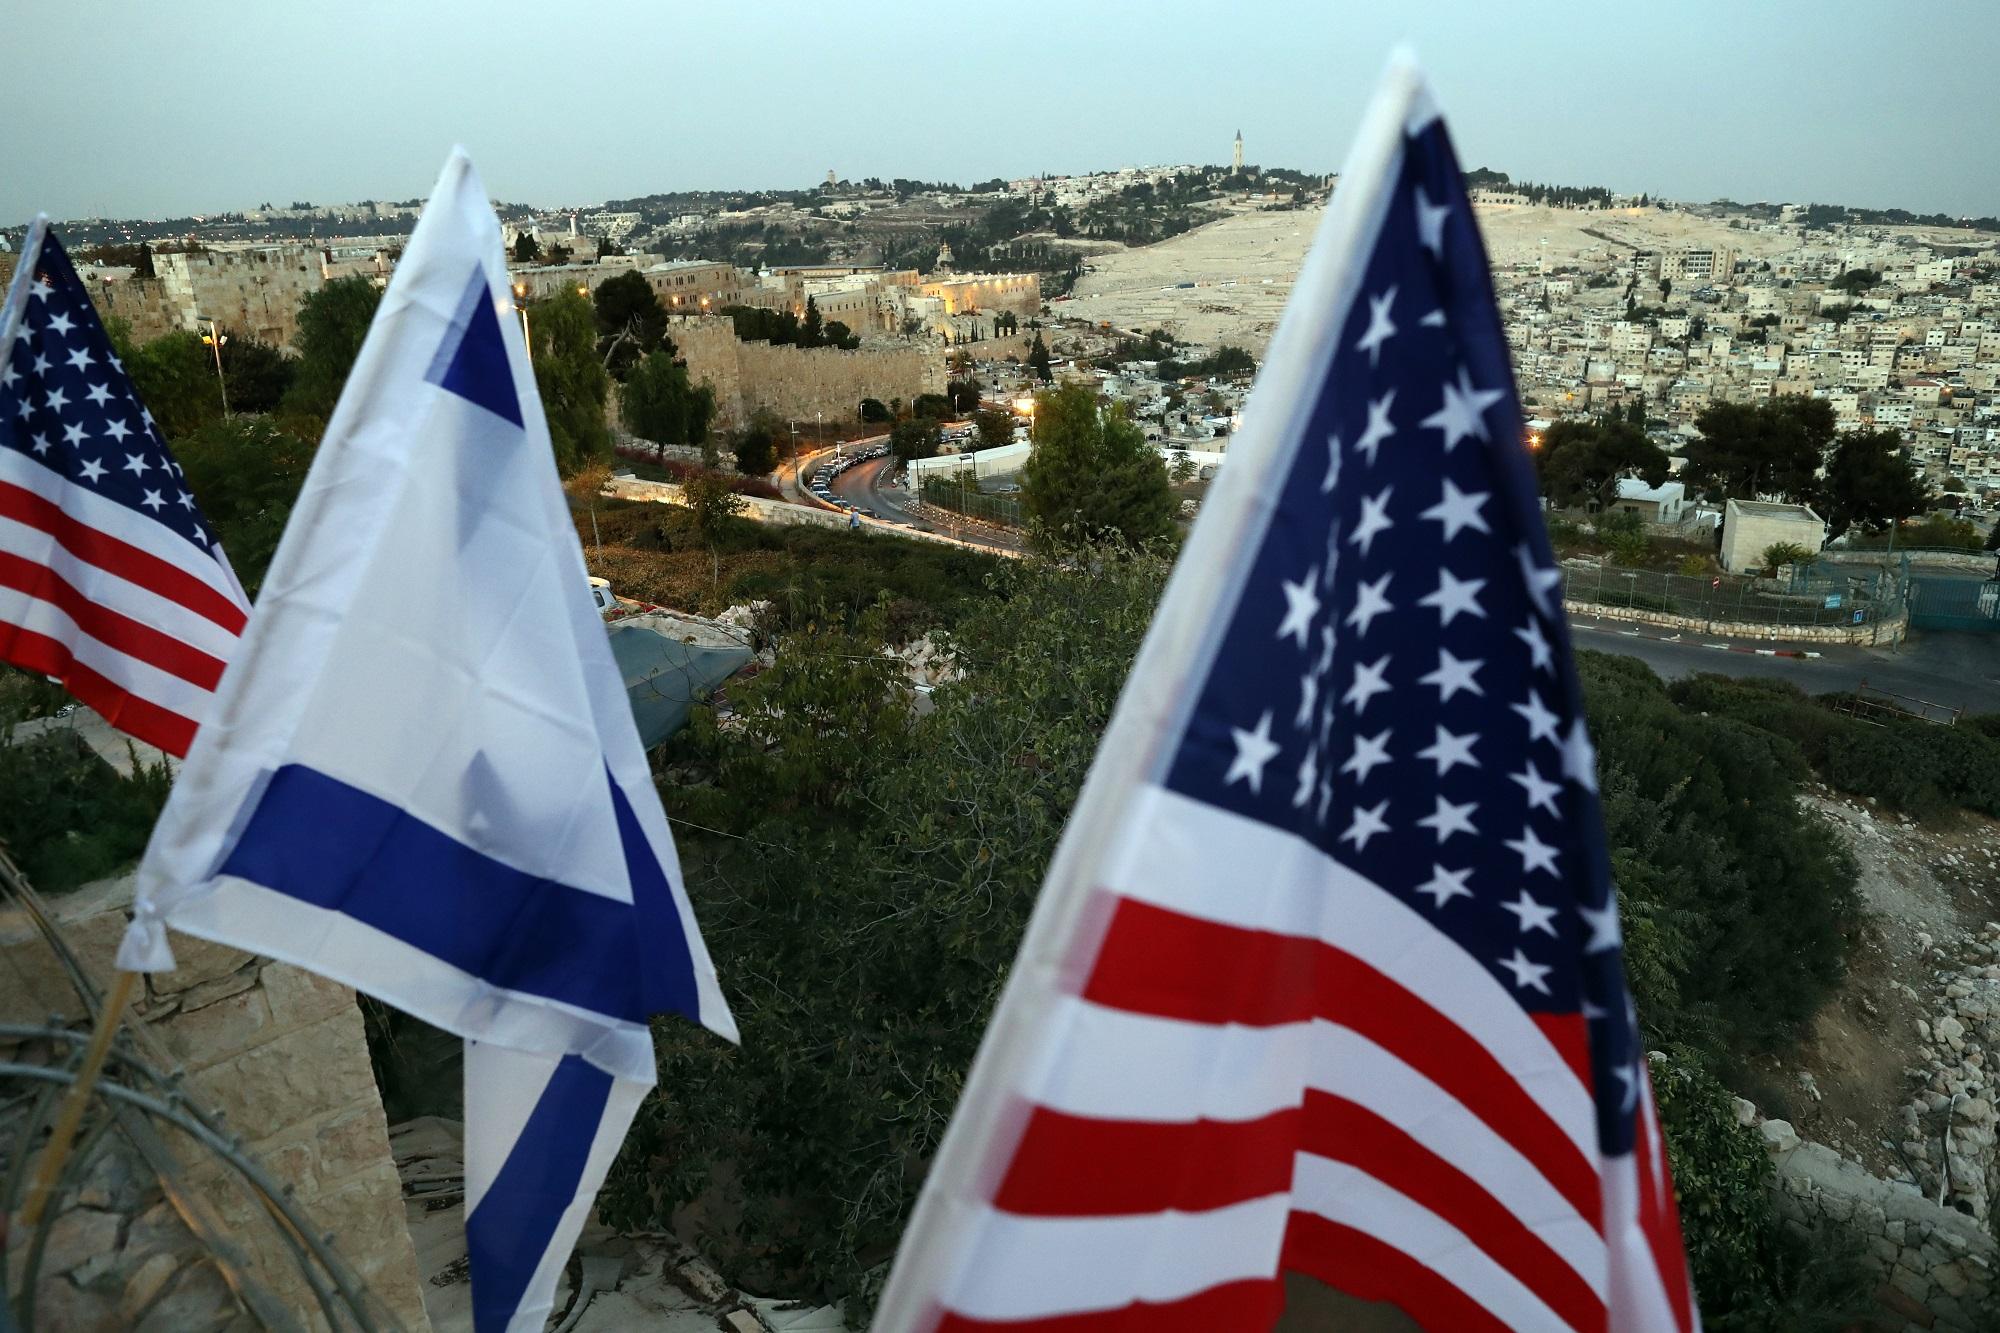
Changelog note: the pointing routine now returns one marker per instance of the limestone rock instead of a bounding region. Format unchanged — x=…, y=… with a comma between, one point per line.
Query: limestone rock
x=1779, y=1136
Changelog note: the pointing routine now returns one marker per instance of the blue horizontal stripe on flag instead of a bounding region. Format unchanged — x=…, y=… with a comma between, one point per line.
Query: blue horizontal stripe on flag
x=334, y=846
x=509, y=1232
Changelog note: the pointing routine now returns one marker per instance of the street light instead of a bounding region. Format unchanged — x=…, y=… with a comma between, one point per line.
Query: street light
x=521, y=304
x=214, y=338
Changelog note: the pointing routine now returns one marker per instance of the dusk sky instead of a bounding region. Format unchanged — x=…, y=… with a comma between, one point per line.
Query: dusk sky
x=135, y=108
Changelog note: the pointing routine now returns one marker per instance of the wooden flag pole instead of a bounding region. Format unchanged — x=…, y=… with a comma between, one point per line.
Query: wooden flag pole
x=63, y=1136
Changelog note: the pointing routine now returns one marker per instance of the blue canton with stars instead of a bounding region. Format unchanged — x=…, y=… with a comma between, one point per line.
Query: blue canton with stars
x=66, y=403
x=1396, y=683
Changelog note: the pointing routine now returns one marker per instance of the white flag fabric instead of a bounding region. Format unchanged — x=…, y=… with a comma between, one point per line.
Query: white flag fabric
x=421, y=774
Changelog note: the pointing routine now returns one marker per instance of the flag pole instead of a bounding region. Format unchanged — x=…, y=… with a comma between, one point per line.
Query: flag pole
x=63, y=1136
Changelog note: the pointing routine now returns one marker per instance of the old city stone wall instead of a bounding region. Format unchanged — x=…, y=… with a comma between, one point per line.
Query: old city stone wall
x=822, y=383
x=1890, y=629
x=281, y=1053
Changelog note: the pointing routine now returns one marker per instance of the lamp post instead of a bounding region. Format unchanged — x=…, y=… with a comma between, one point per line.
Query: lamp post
x=215, y=339
x=521, y=305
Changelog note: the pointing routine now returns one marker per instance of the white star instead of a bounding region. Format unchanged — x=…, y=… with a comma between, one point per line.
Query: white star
x=1448, y=751
x=56, y=401
x=92, y=469
x=1444, y=885
x=1629, y=1076
x=1379, y=427
x=1448, y=819
x=8, y=375
x=1380, y=328
x=1308, y=775
x=1308, y=697
x=1374, y=518
x=1541, y=722
x=185, y=500
x=1367, y=823
x=117, y=429
x=1464, y=411
x=41, y=366
x=1254, y=749
x=1430, y=223
x=152, y=501
x=41, y=291
x=61, y=323
x=1535, y=854
x=1603, y=923
x=135, y=463
x=81, y=358
x=1325, y=663
x=1454, y=595
x=1541, y=580
x=1453, y=674
x=1301, y=605
x=1370, y=752
x=1332, y=465
x=1538, y=647
x=1579, y=757
x=1367, y=684
x=24, y=409
x=1369, y=602
x=1459, y=510
x=1434, y=320
x=74, y=433
x=1526, y=974
x=1541, y=792
x=1531, y=914
x=41, y=444
x=99, y=394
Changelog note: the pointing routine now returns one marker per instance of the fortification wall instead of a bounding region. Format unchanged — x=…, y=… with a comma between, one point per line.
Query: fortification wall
x=818, y=383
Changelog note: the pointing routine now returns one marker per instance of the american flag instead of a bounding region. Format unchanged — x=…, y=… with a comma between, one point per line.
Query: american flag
x=1327, y=976
x=111, y=581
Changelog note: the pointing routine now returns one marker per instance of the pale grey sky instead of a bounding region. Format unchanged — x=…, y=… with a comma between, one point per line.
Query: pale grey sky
x=140, y=108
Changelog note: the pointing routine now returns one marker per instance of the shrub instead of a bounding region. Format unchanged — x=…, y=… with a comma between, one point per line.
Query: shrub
x=1779, y=554
x=67, y=816
x=1918, y=767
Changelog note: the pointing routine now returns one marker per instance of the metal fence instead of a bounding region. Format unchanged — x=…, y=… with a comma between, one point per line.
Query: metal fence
x=958, y=494
x=1815, y=595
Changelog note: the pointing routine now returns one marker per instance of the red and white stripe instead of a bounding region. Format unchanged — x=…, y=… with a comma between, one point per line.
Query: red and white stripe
x=1299, y=1072
x=133, y=618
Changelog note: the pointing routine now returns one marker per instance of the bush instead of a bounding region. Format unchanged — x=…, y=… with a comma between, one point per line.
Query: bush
x=1918, y=767
x=1624, y=533
x=67, y=816
x=1779, y=554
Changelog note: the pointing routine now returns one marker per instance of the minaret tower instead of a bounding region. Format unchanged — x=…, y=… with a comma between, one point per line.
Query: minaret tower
x=1237, y=157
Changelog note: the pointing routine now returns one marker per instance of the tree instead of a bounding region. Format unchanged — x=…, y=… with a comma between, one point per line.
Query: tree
x=873, y=412
x=710, y=504
x=1581, y=462
x=1868, y=482
x=1092, y=478
x=756, y=449
x=1769, y=448
x=936, y=406
x=1993, y=537
x=526, y=248
x=174, y=375
x=245, y=473
x=658, y=403
x=257, y=374
x=963, y=396
x=1183, y=470
x=996, y=428
x=333, y=323
x=1779, y=554
x=919, y=437
x=814, y=333
x=631, y=322
x=1038, y=359
x=572, y=381
x=839, y=335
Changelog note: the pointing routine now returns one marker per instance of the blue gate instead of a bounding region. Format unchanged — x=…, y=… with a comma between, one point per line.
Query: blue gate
x=1942, y=602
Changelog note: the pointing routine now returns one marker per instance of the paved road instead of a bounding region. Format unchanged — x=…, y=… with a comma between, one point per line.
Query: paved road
x=861, y=486
x=1958, y=669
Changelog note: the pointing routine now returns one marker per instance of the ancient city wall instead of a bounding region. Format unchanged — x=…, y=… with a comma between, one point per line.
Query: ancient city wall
x=818, y=383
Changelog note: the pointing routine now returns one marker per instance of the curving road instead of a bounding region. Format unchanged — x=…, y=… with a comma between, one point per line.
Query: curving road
x=862, y=486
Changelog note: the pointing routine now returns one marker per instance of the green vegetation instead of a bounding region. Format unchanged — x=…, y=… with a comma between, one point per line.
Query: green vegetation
x=1769, y=448
x=631, y=323
x=245, y=473
x=996, y=428
x=658, y=403
x=1581, y=462
x=1779, y=554
x=1869, y=482
x=1224, y=360
x=782, y=327
x=174, y=375
x=1092, y=477
x=919, y=437
x=333, y=322
x=573, y=382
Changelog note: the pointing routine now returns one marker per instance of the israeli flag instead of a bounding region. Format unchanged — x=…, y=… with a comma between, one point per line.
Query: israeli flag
x=421, y=775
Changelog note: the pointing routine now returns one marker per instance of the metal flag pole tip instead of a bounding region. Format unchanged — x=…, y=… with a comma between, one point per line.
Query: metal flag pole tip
x=63, y=1136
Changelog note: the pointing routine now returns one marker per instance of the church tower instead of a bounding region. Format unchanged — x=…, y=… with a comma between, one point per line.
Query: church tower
x=1237, y=157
